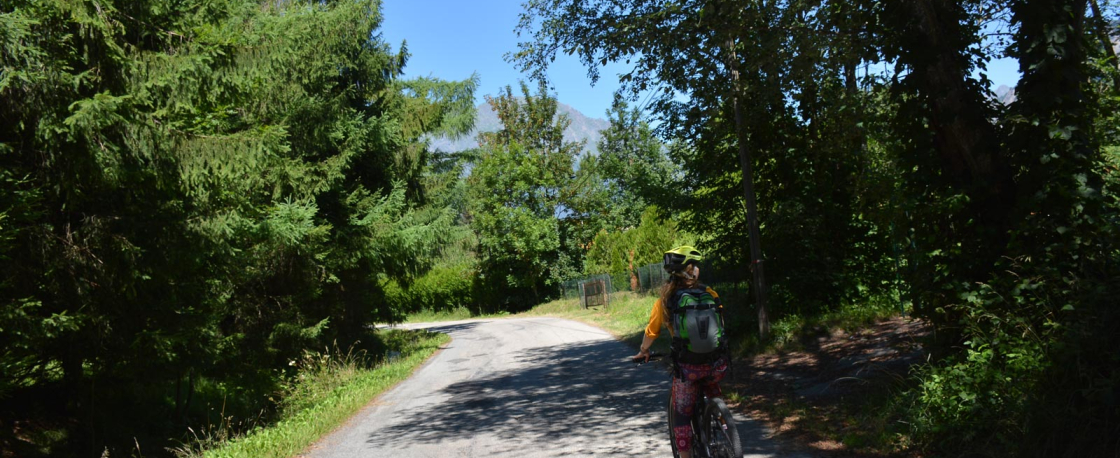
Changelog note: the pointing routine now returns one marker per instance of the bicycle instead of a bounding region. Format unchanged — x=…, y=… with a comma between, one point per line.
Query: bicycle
x=714, y=434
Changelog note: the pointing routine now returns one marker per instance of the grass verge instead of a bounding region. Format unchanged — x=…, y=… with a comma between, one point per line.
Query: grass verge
x=328, y=391
x=460, y=313
x=625, y=316
x=790, y=333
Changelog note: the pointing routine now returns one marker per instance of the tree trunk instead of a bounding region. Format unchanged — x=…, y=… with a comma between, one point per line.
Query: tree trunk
x=960, y=119
x=760, y=292
x=190, y=393
x=1105, y=38
x=634, y=284
x=1102, y=31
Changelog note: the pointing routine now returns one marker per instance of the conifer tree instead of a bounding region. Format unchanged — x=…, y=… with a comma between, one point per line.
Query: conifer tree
x=192, y=193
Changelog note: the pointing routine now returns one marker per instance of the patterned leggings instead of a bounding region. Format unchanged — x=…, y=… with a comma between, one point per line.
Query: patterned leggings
x=693, y=378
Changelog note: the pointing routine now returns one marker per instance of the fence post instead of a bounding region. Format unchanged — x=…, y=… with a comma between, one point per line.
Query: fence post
x=607, y=292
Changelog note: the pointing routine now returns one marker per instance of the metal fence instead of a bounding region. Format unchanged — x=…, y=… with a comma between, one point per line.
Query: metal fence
x=650, y=277
x=596, y=289
x=645, y=279
x=591, y=291
x=571, y=288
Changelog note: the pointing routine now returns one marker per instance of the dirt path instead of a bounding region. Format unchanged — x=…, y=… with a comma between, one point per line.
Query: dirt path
x=814, y=398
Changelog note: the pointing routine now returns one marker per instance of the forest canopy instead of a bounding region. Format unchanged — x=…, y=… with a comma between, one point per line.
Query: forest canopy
x=995, y=222
x=195, y=195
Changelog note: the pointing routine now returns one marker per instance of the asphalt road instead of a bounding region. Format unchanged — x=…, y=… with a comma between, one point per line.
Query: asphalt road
x=525, y=388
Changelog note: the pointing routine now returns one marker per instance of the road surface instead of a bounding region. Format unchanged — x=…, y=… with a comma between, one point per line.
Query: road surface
x=524, y=388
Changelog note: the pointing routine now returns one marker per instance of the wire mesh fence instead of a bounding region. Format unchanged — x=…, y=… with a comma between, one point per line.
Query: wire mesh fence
x=650, y=277
x=573, y=288
x=594, y=290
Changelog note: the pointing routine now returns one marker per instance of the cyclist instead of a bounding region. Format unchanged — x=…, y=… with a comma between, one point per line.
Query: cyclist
x=692, y=372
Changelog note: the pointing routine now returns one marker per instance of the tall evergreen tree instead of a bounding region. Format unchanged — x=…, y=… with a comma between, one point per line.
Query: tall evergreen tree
x=199, y=192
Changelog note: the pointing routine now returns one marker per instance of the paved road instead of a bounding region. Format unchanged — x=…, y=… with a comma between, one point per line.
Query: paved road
x=525, y=388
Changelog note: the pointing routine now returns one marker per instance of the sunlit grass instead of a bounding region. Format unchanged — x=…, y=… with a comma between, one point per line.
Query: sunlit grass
x=456, y=314
x=625, y=316
x=329, y=389
x=788, y=332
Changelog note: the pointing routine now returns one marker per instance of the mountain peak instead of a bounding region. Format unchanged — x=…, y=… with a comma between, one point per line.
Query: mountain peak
x=1005, y=94
x=486, y=120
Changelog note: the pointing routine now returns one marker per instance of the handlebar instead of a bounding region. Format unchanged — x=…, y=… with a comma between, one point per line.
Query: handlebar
x=653, y=356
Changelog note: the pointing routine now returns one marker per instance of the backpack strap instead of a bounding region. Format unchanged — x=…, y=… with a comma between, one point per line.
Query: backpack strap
x=719, y=302
x=700, y=289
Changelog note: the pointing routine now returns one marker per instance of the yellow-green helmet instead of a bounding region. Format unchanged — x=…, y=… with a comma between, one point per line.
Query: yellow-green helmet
x=680, y=257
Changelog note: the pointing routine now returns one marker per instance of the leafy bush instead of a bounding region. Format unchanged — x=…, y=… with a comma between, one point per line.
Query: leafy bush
x=980, y=400
x=445, y=287
x=1038, y=374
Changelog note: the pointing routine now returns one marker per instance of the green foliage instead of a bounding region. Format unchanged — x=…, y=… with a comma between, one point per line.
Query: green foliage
x=193, y=194
x=802, y=113
x=518, y=190
x=1026, y=381
x=998, y=221
x=444, y=287
x=630, y=248
x=966, y=402
x=633, y=163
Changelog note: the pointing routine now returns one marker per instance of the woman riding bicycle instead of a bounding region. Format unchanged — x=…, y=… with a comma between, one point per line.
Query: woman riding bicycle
x=695, y=368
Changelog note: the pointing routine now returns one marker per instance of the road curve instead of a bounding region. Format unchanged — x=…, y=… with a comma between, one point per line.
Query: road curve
x=525, y=388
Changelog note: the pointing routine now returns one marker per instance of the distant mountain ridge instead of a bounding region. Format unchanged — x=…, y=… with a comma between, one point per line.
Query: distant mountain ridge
x=581, y=128
x=1005, y=95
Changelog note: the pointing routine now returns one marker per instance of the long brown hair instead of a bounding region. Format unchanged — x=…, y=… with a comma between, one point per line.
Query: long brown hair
x=667, y=290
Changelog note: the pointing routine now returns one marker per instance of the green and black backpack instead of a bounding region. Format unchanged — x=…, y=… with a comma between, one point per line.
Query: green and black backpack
x=697, y=325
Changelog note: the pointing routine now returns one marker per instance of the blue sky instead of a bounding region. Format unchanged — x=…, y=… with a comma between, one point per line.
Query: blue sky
x=450, y=39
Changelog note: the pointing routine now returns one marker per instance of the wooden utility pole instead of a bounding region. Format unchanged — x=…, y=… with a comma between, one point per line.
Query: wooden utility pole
x=760, y=292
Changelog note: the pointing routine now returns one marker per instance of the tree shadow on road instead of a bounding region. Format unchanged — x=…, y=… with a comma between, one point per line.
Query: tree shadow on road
x=565, y=394
x=451, y=328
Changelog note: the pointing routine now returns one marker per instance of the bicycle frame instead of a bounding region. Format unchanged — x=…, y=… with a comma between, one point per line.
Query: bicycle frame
x=708, y=413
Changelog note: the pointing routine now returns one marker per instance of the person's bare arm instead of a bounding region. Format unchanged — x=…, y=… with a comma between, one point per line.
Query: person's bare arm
x=643, y=351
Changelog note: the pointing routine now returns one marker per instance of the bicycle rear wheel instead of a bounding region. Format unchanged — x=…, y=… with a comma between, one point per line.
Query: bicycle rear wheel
x=672, y=438
x=722, y=435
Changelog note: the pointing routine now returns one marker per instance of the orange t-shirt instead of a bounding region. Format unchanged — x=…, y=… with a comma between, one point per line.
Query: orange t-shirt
x=657, y=316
